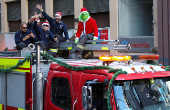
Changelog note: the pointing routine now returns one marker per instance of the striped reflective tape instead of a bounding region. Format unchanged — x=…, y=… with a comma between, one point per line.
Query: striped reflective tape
x=69, y=48
x=54, y=50
x=20, y=109
x=104, y=48
x=80, y=46
x=10, y=108
x=89, y=53
x=0, y=106
x=9, y=62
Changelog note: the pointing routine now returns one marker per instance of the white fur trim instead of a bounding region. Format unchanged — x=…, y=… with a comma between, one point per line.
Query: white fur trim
x=83, y=11
x=58, y=15
x=95, y=38
x=38, y=20
x=88, y=18
x=76, y=38
x=45, y=24
x=84, y=24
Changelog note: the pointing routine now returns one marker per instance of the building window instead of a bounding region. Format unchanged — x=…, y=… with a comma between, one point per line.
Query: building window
x=135, y=18
x=95, y=6
x=14, y=15
x=32, y=7
x=60, y=93
x=66, y=7
x=99, y=10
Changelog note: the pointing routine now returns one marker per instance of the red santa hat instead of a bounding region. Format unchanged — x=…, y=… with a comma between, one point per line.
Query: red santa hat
x=38, y=20
x=83, y=10
x=45, y=23
x=59, y=14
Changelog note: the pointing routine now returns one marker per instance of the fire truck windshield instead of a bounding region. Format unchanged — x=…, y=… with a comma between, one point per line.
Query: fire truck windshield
x=142, y=94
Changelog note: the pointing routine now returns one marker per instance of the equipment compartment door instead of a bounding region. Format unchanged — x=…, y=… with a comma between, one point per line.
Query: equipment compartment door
x=2, y=90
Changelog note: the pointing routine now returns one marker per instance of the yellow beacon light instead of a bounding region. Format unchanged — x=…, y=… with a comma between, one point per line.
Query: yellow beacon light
x=114, y=58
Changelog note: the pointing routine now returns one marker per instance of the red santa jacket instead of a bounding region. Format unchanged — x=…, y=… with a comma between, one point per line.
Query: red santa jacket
x=90, y=27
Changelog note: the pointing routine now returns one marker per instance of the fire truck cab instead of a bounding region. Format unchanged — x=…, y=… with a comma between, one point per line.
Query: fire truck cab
x=145, y=86
x=67, y=89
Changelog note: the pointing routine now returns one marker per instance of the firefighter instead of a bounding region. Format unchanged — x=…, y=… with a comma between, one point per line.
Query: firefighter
x=57, y=27
x=88, y=26
x=46, y=38
x=30, y=23
x=24, y=37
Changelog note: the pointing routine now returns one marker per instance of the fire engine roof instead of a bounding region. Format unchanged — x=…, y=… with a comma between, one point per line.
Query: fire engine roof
x=123, y=65
x=131, y=74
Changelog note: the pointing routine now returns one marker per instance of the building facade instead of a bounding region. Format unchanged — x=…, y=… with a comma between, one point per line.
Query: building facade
x=13, y=12
x=127, y=20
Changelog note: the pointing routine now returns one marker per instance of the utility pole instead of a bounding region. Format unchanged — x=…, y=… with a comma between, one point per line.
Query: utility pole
x=38, y=83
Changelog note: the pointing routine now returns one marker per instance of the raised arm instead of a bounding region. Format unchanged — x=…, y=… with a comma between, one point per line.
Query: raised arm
x=37, y=31
x=31, y=19
x=50, y=19
x=30, y=22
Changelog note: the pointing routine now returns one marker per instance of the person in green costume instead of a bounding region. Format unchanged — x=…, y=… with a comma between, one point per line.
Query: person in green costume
x=88, y=26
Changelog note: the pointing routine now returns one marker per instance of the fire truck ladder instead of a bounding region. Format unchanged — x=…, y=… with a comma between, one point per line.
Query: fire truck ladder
x=112, y=45
x=98, y=46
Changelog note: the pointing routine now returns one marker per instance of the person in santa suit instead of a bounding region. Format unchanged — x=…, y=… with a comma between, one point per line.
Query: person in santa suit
x=88, y=26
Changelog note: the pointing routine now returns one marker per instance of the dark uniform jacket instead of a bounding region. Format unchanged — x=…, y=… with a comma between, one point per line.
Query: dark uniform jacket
x=56, y=28
x=45, y=36
x=20, y=35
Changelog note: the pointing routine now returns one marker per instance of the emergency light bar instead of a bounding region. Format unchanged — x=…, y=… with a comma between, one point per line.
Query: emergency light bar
x=114, y=58
x=128, y=57
x=146, y=57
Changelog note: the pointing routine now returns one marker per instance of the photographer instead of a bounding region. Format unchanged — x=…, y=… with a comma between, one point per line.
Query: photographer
x=24, y=37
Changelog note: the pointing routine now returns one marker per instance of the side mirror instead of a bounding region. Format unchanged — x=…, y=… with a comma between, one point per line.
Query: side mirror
x=87, y=97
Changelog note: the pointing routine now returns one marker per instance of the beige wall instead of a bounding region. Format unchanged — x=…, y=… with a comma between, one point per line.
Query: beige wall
x=4, y=23
x=49, y=3
x=10, y=0
x=2, y=42
x=78, y=4
x=113, y=7
x=155, y=15
x=24, y=10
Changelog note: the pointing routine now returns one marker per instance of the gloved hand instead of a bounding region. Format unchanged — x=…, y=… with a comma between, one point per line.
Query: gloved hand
x=94, y=38
x=76, y=40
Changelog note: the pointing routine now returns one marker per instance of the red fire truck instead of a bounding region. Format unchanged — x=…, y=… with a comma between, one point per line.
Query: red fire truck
x=145, y=86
